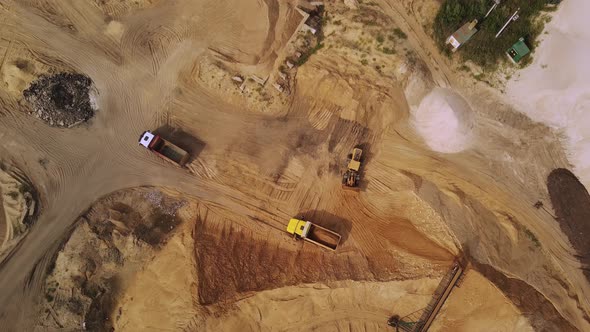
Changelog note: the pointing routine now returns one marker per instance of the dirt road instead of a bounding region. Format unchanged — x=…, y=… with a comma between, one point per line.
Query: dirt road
x=138, y=88
x=87, y=163
x=416, y=205
x=420, y=41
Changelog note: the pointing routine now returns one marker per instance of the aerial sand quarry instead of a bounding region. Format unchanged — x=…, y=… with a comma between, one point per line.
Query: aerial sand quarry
x=467, y=216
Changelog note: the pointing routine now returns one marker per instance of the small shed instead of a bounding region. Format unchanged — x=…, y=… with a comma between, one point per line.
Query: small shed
x=518, y=51
x=462, y=35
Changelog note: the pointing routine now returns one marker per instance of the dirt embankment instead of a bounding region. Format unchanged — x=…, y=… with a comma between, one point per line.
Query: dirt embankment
x=18, y=206
x=112, y=241
x=571, y=202
x=477, y=305
x=239, y=265
x=234, y=261
x=540, y=313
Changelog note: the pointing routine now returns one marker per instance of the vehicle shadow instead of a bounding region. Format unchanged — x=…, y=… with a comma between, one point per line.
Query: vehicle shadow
x=191, y=144
x=365, y=160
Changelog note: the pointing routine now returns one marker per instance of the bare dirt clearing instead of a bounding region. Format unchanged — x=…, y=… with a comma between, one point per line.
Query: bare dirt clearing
x=253, y=169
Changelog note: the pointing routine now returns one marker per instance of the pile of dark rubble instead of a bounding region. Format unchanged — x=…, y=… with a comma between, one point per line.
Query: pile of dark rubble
x=61, y=100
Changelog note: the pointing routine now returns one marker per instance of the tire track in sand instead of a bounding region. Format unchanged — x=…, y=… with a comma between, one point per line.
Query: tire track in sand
x=151, y=41
x=4, y=227
x=90, y=162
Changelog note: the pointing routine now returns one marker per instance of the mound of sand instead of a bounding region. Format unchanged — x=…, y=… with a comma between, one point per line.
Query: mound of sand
x=112, y=242
x=16, y=204
x=444, y=120
x=555, y=89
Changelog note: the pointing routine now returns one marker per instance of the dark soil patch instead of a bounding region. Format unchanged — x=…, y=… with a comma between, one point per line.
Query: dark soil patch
x=24, y=65
x=104, y=299
x=156, y=228
x=540, y=313
x=571, y=202
x=61, y=100
x=151, y=227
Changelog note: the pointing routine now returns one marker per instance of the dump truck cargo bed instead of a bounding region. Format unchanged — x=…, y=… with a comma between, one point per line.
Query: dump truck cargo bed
x=315, y=234
x=323, y=237
x=171, y=152
x=163, y=148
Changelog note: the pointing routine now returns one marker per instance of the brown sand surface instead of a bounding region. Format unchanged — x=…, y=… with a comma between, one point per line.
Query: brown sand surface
x=269, y=156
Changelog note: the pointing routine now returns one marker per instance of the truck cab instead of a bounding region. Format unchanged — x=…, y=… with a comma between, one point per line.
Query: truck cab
x=146, y=139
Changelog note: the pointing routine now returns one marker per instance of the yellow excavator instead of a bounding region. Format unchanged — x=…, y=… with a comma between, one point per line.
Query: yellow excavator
x=352, y=177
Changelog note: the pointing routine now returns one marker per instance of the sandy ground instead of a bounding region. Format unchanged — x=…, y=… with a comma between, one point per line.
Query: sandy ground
x=171, y=278
x=483, y=309
x=110, y=245
x=251, y=171
x=555, y=89
x=443, y=108
x=176, y=285
x=17, y=208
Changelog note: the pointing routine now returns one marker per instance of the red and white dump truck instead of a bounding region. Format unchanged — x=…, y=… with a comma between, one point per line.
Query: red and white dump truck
x=163, y=148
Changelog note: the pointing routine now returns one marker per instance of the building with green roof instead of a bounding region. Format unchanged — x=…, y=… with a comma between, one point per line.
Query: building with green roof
x=518, y=51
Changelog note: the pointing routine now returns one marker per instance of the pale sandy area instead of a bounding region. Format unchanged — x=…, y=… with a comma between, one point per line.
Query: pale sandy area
x=444, y=120
x=170, y=279
x=477, y=305
x=555, y=89
x=362, y=306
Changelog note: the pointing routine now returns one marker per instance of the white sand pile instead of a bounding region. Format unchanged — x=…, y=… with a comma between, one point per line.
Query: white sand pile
x=555, y=89
x=444, y=120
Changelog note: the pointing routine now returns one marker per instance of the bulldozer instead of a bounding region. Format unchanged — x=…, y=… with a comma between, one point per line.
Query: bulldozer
x=351, y=178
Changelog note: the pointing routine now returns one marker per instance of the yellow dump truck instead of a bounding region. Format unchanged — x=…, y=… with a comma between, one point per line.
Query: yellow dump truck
x=313, y=233
x=352, y=177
